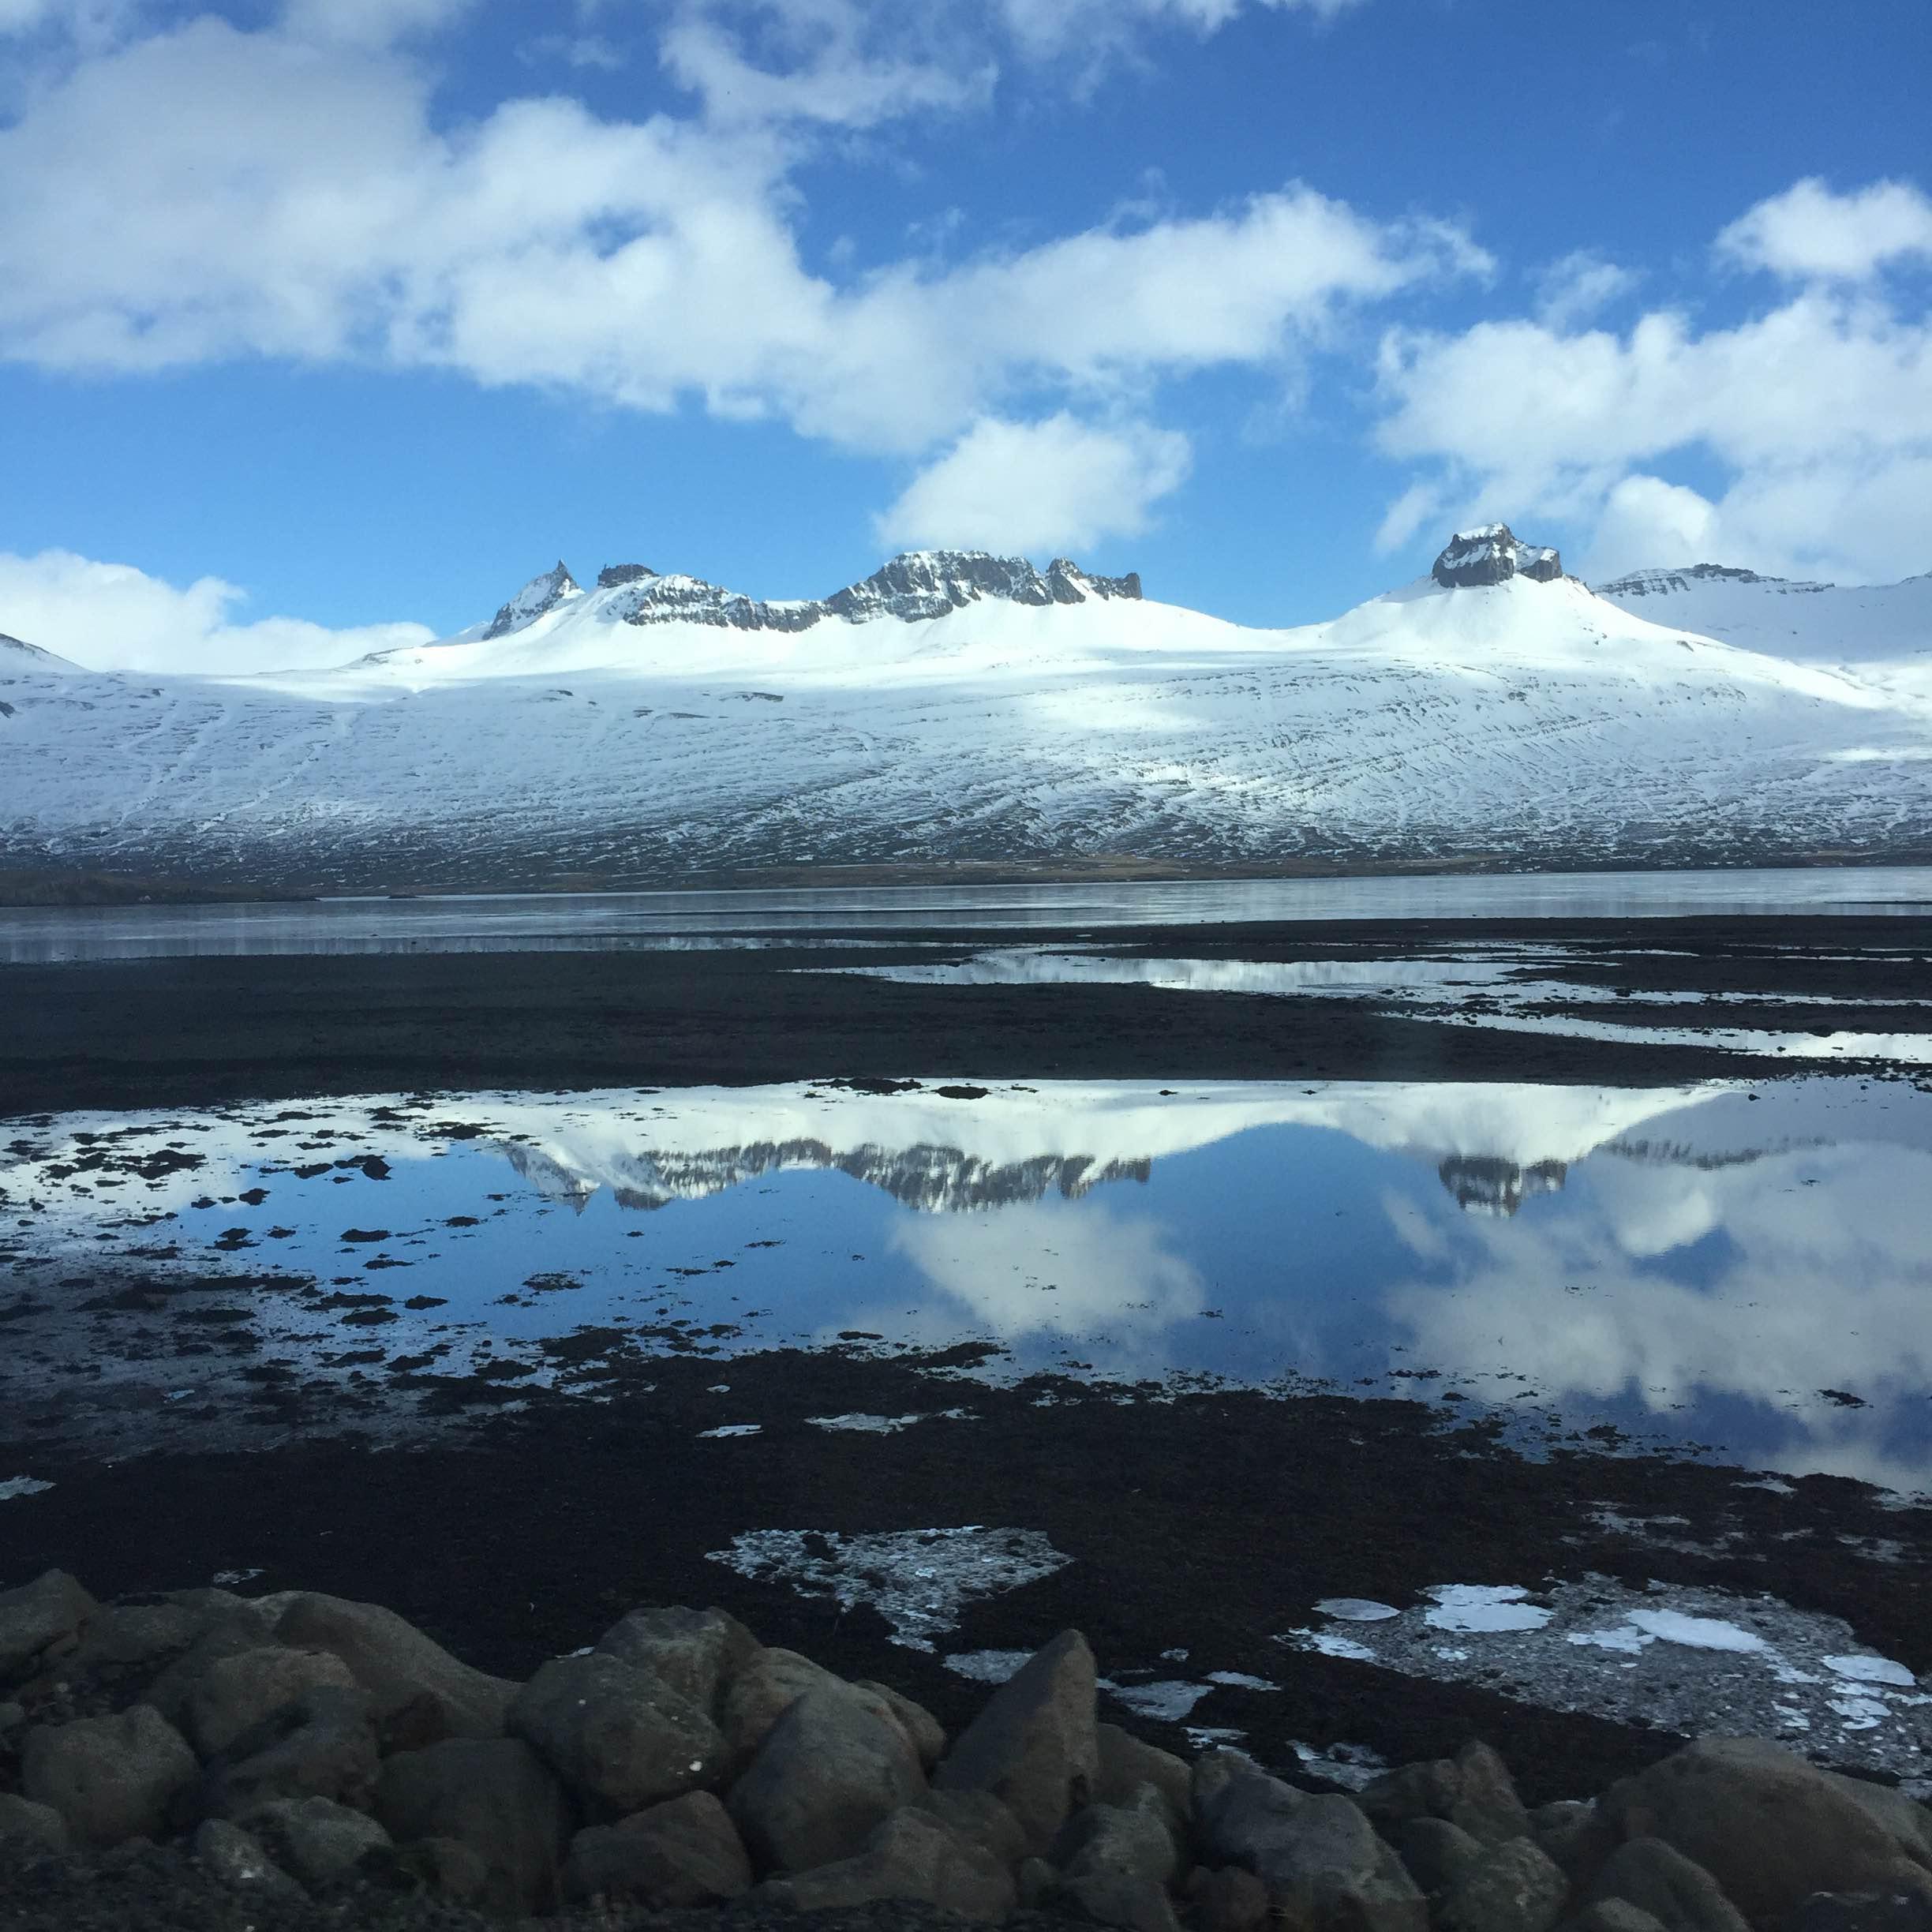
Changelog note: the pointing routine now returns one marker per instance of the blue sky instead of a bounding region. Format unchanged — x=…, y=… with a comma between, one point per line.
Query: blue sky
x=347, y=315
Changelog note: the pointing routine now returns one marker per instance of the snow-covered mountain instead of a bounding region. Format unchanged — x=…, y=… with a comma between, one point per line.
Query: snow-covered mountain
x=15, y=655
x=957, y=707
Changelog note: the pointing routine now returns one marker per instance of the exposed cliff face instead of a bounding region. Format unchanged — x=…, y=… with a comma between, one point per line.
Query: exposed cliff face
x=1662, y=582
x=1488, y=1184
x=539, y=595
x=1492, y=555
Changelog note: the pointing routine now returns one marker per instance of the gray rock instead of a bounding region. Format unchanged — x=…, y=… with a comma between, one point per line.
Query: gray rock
x=765, y=1686
x=909, y=1855
x=1033, y=1881
x=696, y=1652
x=28, y=1827
x=1615, y=1915
x=924, y=1731
x=1681, y=1896
x=1908, y=1822
x=235, y=1693
x=833, y=1768
x=1492, y=555
x=1034, y=1746
x=618, y=1734
x=127, y=1637
x=1320, y=1858
x=1510, y=1887
x=1434, y=1851
x=1473, y=1790
x=1227, y=1899
x=1136, y=1840
x=397, y=1664
x=12, y=1718
x=109, y=1778
x=1566, y=1829
x=1114, y=1898
x=494, y=1795
x=452, y=1869
x=321, y=1744
x=685, y=1853
x=1127, y=1762
x=1770, y=1828
x=224, y=1634
x=235, y=1859
x=37, y=1617
x=981, y=1816
x=315, y=1840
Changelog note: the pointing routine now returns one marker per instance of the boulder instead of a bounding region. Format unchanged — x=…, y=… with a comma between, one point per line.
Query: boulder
x=451, y=1868
x=1135, y=1840
x=684, y=1853
x=121, y=1639
x=314, y=1838
x=38, y=1616
x=618, y=1734
x=1113, y=1899
x=396, y=1664
x=1319, y=1857
x=909, y=1855
x=1615, y=1915
x=235, y=1693
x=1473, y=1790
x=924, y=1731
x=26, y=1828
x=1227, y=1899
x=109, y=1778
x=832, y=1768
x=1682, y=1896
x=495, y=1795
x=696, y=1651
x=234, y=1858
x=766, y=1686
x=320, y=1744
x=1769, y=1827
x=1434, y=1851
x=1510, y=1887
x=1862, y=1912
x=1566, y=1829
x=231, y=1633
x=981, y=1816
x=1127, y=1762
x=1908, y=1821
x=1033, y=1745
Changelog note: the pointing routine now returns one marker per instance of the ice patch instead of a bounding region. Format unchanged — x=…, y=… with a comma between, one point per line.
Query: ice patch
x=1871, y=1670
x=1168, y=1699
x=1696, y=1633
x=226, y=1579
x=1626, y=1638
x=1356, y=1609
x=1329, y=1644
x=863, y=1424
x=993, y=1666
x=1240, y=1680
x=1483, y=1607
x=1354, y=1767
x=918, y=1580
x=21, y=1486
x=729, y=1429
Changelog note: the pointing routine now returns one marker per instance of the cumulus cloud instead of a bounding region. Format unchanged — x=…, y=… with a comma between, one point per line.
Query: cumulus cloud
x=113, y=617
x=1818, y=411
x=1055, y=486
x=1579, y=287
x=1808, y=233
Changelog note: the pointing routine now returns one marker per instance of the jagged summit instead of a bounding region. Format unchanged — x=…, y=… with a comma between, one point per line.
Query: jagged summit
x=915, y=586
x=539, y=595
x=1492, y=555
x=17, y=654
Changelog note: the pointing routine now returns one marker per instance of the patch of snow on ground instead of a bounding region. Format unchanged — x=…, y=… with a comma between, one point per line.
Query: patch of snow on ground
x=21, y=1486
x=1698, y=1662
x=1169, y=1699
x=918, y=1580
x=1354, y=1767
x=1356, y=1609
x=727, y=1429
x=993, y=1666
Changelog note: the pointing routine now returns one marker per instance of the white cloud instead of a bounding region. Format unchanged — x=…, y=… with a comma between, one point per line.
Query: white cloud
x=1579, y=287
x=1808, y=233
x=252, y=194
x=370, y=23
x=1057, y=485
x=1817, y=411
x=113, y=617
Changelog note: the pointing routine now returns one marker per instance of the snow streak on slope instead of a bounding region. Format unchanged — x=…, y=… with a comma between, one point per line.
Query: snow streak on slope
x=654, y=727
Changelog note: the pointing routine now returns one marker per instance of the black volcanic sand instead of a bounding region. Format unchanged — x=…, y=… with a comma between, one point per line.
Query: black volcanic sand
x=1213, y=1521
x=188, y=1032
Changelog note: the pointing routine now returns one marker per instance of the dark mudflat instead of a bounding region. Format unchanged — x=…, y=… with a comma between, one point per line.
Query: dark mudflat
x=1214, y=1521
x=181, y=1031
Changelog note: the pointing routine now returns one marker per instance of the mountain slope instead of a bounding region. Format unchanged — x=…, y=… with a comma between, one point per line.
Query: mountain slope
x=960, y=707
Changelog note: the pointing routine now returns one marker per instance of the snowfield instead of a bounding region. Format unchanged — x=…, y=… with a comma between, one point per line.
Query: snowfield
x=656, y=727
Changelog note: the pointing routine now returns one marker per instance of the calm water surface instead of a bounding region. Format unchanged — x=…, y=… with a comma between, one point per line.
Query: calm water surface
x=1744, y=1267
x=539, y=923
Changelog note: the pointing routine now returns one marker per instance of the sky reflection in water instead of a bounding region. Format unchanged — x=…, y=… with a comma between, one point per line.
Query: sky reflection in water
x=1699, y=1262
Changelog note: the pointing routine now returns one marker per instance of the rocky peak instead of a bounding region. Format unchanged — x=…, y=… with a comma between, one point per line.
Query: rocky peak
x=539, y=594
x=1492, y=555
x=1661, y=582
x=17, y=654
x=613, y=575
x=1486, y=1183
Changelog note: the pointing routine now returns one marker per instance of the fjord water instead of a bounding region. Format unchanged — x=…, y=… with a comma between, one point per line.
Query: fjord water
x=1742, y=1266
x=616, y=921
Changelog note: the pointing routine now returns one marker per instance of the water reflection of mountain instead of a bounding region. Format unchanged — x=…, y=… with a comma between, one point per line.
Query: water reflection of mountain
x=1485, y=1184
x=932, y=1179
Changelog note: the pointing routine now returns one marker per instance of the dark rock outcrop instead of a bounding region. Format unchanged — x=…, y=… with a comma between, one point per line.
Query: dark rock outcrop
x=1492, y=555
x=539, y=595
x=613, y=575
